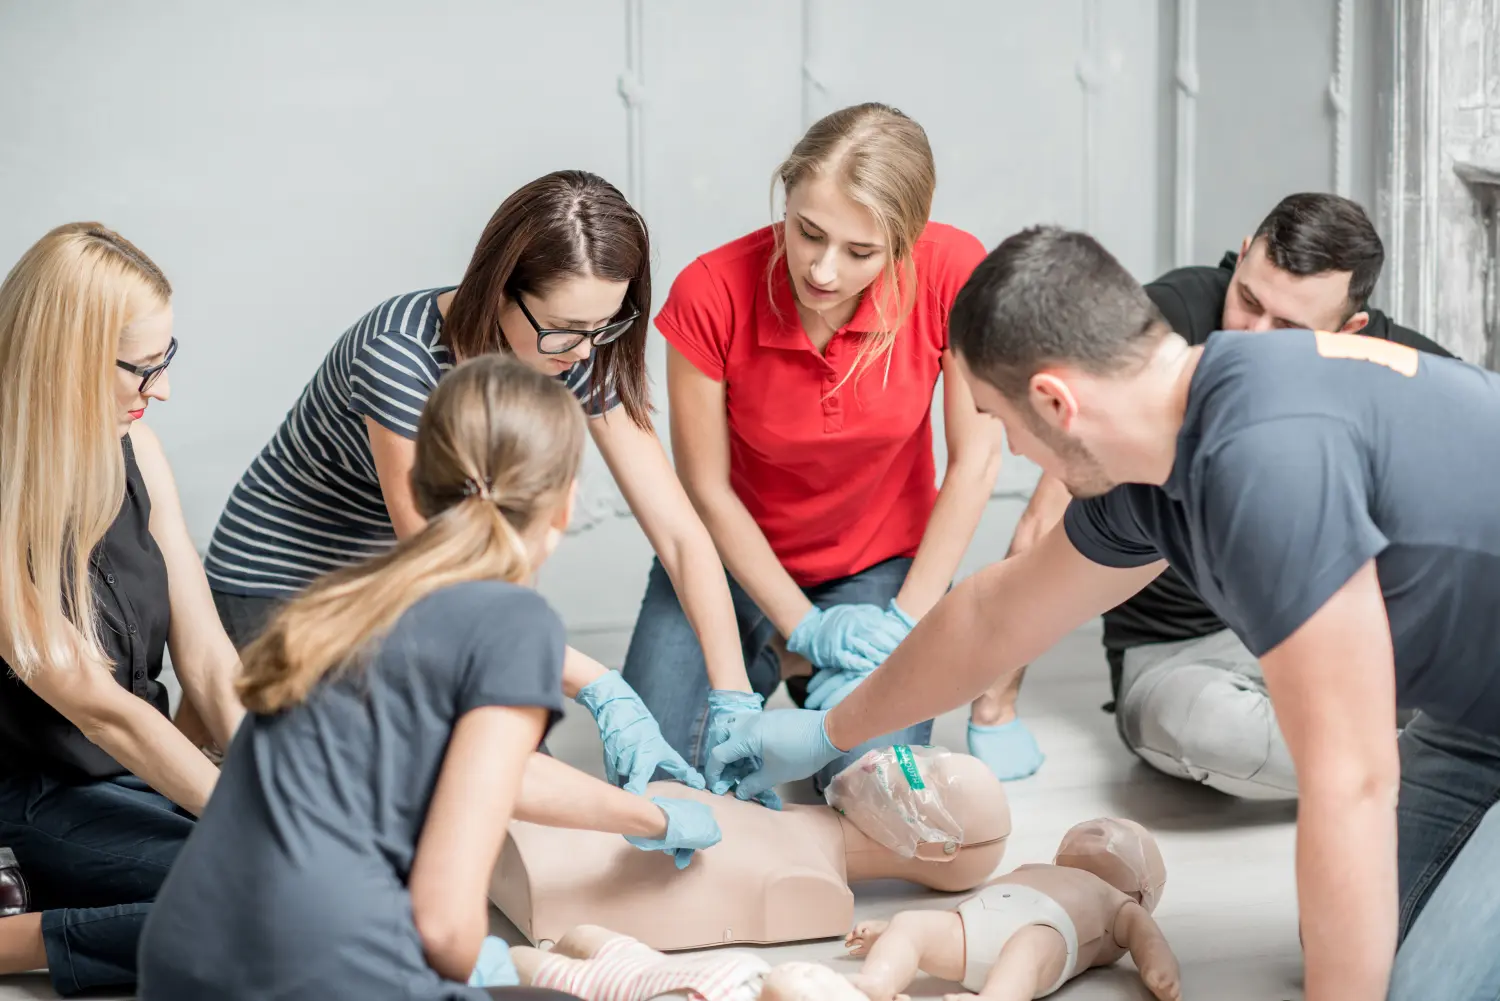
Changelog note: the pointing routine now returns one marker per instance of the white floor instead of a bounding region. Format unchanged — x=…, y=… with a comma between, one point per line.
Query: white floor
x=1230, y=905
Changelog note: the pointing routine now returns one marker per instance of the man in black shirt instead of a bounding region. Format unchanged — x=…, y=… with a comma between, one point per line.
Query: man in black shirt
x=1190, y=699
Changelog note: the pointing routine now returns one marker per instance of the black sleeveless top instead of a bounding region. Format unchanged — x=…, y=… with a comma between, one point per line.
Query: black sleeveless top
x=129, y=578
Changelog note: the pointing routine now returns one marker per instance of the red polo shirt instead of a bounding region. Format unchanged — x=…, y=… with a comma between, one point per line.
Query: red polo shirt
x=837, y=483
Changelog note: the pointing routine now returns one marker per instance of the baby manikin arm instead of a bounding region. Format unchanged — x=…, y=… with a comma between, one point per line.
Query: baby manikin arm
x=1137, y=931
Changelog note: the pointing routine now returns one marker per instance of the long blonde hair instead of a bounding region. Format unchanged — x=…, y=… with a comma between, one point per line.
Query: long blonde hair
x=882, y=161
x=498, y=447
x=63, y=308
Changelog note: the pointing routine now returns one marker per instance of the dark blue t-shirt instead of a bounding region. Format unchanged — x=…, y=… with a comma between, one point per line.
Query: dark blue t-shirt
x=294, y=883
x=1301, y=457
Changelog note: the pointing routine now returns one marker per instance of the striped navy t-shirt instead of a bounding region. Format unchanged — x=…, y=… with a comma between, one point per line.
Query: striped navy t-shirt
x=311, y=501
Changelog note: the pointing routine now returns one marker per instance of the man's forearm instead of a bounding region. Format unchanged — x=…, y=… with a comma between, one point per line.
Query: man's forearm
x=1346, y=882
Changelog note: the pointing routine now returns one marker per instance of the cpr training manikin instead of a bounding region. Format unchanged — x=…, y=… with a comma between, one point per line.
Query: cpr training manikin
x=606, y=914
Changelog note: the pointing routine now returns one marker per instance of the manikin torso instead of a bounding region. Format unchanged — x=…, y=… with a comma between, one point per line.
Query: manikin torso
x=777, y=876
x=1091, y=903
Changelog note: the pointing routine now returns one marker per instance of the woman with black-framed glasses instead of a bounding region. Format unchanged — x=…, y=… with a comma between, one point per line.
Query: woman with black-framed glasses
x=561, y=280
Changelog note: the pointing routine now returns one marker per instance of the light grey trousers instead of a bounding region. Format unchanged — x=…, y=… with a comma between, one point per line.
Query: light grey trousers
x=1198, y=710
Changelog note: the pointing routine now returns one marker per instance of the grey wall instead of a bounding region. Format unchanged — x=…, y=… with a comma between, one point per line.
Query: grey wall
x=292, y=163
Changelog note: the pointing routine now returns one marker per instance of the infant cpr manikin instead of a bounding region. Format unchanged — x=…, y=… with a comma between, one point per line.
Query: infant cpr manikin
x=1030, y=931
x=777, y=876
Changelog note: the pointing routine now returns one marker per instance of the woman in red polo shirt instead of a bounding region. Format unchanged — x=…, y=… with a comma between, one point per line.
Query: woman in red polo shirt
x=802, y=361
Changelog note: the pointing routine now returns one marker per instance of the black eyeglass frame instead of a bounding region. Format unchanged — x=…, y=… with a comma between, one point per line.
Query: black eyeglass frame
x=150, y=373
x=610, y=332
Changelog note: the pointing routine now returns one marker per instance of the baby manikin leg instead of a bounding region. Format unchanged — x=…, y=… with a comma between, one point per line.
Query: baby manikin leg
x=1030, y=962
x=1211, y=724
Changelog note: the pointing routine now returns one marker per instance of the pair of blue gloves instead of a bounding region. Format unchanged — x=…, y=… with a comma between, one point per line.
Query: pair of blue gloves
x=845, y=643
x=634, y=749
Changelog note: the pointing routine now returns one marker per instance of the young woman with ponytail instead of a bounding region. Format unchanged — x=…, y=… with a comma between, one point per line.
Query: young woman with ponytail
x=560, y=280
x=394, y=710
x=98, y=579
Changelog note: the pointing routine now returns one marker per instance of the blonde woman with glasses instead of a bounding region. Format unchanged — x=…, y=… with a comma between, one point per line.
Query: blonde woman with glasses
x=98, y=578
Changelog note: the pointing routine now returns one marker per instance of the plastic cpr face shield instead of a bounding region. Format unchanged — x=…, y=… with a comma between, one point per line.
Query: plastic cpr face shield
x=1120, y=852
x=898, y=796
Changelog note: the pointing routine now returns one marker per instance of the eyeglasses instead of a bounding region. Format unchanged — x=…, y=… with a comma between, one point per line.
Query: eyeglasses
x=560, y=342
x=150, y=373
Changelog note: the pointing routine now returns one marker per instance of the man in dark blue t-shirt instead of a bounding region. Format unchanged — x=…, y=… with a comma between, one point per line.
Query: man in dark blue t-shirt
x=1188, y=696
x=1332, y=498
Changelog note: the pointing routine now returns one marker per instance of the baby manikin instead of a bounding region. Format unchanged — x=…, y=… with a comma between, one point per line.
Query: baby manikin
x=1030, y=931
x=917, y=814
x=596, y=964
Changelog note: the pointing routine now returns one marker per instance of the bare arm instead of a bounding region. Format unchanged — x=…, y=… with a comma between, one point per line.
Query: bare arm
x=394, y=456
x=203, y=657
x=471, y=808
x=988, y=627
x=557, y=795
x=1049, y=499
x=129, y=729
x=1332, y=683
x=685, y=548
x=700, y=442
x=975, y=444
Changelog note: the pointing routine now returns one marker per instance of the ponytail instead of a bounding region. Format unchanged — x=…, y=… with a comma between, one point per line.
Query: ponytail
x=497, y=452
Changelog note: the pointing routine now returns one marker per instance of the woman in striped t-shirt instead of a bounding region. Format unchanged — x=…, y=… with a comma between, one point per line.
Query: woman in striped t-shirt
x=560, y=279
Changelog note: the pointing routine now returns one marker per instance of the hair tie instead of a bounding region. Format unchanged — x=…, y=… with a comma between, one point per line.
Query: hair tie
x=473, y=487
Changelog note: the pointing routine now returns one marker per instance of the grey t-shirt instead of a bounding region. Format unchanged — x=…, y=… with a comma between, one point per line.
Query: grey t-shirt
x=1301, y=457
x=293, y=885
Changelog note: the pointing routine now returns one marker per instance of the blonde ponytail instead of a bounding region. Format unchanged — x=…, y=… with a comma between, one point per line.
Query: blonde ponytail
x=498, y=448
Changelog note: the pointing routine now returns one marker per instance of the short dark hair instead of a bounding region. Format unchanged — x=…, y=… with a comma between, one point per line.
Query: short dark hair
x=1313, y=233
x=1049, y=295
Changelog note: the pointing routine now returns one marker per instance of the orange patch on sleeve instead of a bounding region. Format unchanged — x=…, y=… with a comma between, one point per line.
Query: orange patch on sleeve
x=1358, y=347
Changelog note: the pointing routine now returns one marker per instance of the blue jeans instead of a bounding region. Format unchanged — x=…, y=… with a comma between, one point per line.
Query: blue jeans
x=665, y=663
x=94, y=855
x=1448, y=851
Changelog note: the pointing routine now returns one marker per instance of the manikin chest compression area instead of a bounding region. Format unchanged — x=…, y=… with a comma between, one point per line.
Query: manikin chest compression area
x=918, y=814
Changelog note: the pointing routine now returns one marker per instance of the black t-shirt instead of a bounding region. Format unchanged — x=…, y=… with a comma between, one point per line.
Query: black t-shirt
x=294, y=884
x=129, y=579
x=1301, y=457
x=1192, y=300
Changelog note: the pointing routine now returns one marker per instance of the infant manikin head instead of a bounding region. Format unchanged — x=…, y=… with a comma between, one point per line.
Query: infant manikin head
x=808, y=982
x=1120, y=852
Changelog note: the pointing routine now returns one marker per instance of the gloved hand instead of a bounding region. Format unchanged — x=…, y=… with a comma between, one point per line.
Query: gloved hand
x=1010, y=751
x=854, y=637
x=690, y=826
x=495, y=967
x=830, y=686
x=723, y=706
x=633, y=745
x=789, y=743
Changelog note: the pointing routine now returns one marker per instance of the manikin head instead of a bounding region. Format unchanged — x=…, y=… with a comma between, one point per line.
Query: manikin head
x=1120, y=852
x=1311, y=265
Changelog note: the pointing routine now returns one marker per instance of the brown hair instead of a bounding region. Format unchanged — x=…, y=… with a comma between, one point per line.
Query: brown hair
x=63, y=308
x=882, y=161
x=497, y=450
x=567, y=224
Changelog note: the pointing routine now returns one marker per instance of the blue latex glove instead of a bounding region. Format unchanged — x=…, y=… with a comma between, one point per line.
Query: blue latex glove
x=830, y=686
x=1009, y=749
x=495, y=967
x=853, y=637
x=633, y=745
x=723, y=706
x=690, y=826
x=791, y=744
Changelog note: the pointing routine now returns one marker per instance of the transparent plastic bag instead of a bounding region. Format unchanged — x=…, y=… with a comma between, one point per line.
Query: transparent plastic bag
x=897, y=796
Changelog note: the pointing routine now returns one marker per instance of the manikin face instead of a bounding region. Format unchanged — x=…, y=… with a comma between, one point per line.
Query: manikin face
x=1043, y=435
x=1264, y=297
x=142, y=344
x=834, y=248
x=572, y=304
